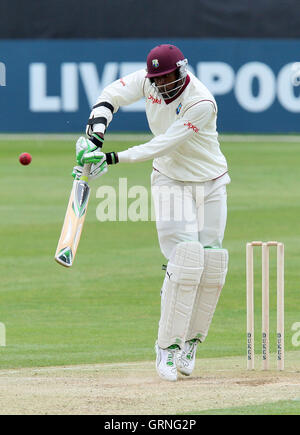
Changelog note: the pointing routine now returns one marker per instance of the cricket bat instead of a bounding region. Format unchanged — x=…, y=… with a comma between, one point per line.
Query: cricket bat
x=74, y=220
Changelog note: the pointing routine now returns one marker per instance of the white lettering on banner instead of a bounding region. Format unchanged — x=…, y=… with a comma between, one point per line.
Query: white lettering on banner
x=217, y=76
x=285, y=90
x=2, y=74
x=244, y=87
x=220, y=79
x=69, y=87
x=254, y=85
x=90, y=79
x=38, y=99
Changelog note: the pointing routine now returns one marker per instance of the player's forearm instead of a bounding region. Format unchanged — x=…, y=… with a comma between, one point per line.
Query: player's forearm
x=157, y=147
x=124, y=157
x=135, y=154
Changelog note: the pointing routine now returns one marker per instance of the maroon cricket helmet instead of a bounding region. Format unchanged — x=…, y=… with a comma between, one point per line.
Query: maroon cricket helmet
x=163, y=59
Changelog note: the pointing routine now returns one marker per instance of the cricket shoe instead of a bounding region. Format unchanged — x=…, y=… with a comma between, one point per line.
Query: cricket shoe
x=166, y=362
x=186, y=358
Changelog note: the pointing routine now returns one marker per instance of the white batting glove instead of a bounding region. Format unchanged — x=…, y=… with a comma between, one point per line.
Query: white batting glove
x=97, y=169
x=83, y=146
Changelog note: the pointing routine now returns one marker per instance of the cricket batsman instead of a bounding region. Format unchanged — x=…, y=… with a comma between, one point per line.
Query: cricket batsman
x=188, y=162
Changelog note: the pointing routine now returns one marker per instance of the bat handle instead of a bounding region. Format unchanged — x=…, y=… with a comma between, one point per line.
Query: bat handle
x=86, y=172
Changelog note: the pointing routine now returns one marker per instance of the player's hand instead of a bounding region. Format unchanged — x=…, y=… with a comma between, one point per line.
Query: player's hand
x=97, y=169
x=77, y=172
x=83, y=146
x=92, y=156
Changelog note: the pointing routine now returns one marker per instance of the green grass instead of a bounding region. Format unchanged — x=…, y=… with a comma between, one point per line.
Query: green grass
x=106, y=308
x=282, y=407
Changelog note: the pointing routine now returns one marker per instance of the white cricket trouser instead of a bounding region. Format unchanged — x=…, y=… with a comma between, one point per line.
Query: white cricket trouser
x=189, y=211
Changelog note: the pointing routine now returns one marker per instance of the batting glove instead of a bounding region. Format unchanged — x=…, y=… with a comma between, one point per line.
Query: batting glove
x=97, y=170
x=83, y=146
x=93, y=157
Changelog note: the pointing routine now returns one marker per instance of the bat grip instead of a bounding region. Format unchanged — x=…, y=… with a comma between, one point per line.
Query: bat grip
x=86, y=172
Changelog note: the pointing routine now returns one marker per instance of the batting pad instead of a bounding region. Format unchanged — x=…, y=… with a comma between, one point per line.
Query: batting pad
x=179, y=289
x=208, y=293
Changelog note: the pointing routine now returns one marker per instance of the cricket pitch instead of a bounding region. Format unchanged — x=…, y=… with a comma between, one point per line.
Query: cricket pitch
x=135, y=389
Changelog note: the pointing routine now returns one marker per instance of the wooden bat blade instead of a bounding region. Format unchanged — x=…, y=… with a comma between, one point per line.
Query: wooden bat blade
x=73, y=223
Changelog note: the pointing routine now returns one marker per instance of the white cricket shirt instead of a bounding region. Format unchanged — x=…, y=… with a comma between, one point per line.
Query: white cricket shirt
x=185, y=146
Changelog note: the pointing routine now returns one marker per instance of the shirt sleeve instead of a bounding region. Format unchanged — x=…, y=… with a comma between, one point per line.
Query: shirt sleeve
x=122, y=92
x=194, y=120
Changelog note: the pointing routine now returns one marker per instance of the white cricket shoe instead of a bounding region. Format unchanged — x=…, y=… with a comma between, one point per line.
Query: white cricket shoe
x=186, y=358
x=166, y=362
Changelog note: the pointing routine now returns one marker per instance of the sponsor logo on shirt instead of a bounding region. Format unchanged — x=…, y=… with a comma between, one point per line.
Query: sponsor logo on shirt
x=154, y=100
x=178, y=109
x=190, y=125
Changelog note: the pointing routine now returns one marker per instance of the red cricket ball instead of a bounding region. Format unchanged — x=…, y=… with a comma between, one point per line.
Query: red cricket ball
x=25, y=158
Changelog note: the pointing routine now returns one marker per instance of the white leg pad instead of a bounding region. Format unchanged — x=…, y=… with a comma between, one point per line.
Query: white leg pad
x=208, y=293
x=179, y=289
